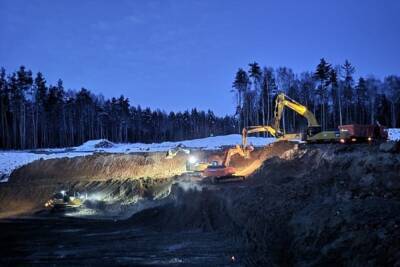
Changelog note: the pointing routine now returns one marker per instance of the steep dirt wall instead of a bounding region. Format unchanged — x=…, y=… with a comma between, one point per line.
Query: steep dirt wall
x=101, y=167
x=111, y=174
x=114, y=197
x=321, y=205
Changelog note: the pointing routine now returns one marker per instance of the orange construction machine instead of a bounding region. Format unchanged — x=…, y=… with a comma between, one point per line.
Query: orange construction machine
x=222, y=171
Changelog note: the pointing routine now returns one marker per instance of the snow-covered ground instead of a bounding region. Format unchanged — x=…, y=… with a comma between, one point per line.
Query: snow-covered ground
x=394, y=134
x=11, y=160
x=208, y=143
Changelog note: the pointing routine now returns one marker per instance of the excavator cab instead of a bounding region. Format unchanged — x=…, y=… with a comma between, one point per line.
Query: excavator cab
x=310, y=132
x=313, y=130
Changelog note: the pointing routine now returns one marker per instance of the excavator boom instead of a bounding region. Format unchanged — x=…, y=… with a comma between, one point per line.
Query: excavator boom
x=282, y=101
x=256, y=129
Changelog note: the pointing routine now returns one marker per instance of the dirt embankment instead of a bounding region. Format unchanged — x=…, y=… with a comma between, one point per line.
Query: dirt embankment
x=117, y=177
x=322, y=205
x=121, y=177
x=100, y=167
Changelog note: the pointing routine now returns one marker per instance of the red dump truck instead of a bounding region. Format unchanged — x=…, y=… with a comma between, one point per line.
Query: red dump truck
x=362, y=133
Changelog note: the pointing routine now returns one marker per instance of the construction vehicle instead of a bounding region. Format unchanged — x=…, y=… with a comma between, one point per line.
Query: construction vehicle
x=362, y=133
x=65, y=201
x=193, y=164
x=219, y=172
x=171, y=153
x=312, y=134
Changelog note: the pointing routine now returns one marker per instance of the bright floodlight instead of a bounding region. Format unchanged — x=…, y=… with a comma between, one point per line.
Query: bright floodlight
x=192, y=159
x=62, y=192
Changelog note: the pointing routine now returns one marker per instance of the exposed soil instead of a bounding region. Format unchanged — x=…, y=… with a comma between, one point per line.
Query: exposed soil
x=100, y=167
x=307, y=205
x=322, y=205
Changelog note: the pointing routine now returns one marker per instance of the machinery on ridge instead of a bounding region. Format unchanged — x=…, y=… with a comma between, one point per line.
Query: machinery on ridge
x=219, y=171
x=313, y=133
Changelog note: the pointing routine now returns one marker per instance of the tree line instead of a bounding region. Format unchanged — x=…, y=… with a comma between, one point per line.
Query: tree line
x=330, y=92
x=37, y=115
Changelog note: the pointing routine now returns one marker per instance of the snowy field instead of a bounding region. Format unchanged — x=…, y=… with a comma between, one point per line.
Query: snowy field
x=209, y=143
x=11, y=160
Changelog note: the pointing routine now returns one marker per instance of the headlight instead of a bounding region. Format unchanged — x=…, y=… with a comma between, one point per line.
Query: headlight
x=192, y=159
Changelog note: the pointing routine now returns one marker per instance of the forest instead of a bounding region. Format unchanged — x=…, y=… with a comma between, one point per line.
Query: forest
x=35, y=114
x=331, y=92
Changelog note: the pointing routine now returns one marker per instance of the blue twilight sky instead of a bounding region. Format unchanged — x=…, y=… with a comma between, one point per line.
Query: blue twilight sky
x=179, y=54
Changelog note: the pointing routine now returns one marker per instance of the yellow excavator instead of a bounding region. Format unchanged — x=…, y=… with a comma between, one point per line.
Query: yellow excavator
x=313, y=132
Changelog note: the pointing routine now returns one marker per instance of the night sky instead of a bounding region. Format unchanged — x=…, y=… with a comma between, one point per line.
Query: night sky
x=179, y=54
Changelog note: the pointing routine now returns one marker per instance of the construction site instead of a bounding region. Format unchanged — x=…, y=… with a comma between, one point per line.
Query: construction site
x=315, y=198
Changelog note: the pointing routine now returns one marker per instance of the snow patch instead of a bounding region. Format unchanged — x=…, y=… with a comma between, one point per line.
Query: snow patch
x=209, y=143
x=12, y=160
x=394, y=134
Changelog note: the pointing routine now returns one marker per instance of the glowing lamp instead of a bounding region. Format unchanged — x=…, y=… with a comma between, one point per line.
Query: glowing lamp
x=192, y=159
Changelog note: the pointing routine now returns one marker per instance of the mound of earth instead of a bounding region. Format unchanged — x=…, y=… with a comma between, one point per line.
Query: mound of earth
x=322, y=205
x=31, y=185
x=100, y=166
x=104, y=144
